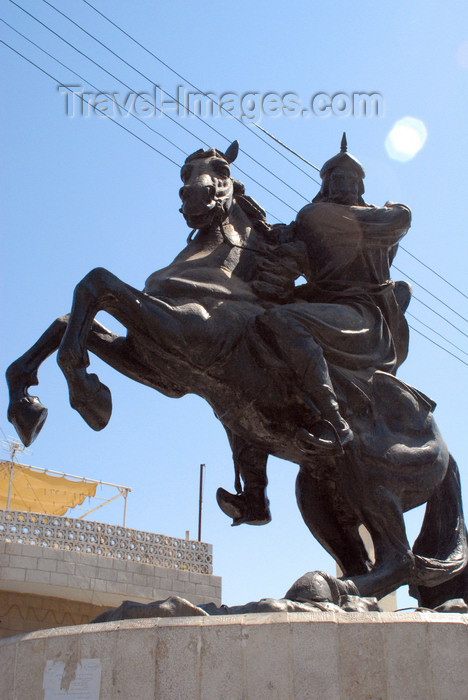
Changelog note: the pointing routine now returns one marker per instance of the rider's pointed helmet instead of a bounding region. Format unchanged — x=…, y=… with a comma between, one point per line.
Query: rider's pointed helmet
x=343, y=160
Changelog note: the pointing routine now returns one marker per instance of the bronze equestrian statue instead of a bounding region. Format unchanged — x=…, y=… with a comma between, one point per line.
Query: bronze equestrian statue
x=305, y=373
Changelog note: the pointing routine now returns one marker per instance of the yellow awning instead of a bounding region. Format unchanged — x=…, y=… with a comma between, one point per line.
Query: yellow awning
x=37, y=492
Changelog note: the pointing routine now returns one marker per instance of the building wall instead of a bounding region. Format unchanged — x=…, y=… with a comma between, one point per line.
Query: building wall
x=24, y=612
x=85, y=583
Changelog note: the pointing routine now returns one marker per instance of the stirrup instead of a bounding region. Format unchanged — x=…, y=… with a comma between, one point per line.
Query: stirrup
x=308, y=442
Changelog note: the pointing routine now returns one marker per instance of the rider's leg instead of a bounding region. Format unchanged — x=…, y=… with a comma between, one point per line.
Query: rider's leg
x=250, y=504
x=318, y=387
x=297, y=348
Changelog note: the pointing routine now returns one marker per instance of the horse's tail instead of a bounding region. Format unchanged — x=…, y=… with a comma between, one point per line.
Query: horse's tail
x=441, y=550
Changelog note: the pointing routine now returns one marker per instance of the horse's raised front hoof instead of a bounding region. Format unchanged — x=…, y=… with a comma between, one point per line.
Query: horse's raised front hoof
x=93, y=401
x=28, y=416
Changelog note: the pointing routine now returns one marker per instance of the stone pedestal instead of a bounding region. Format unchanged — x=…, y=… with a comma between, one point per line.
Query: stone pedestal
x=327, y=656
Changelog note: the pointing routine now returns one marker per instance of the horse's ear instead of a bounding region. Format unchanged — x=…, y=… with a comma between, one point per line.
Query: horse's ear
x=232, y=151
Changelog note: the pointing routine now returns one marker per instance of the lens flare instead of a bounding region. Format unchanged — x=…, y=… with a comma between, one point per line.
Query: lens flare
x=406, y=138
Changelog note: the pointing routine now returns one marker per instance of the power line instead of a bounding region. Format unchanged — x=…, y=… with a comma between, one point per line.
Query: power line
x=441, y=335
x=169, y=159
x=438, y=314
x=93, y=86
x=431, y=294
x=166, y=65
x=434, y=271
x=101, y=67
x=273, y=216
x=191, y=133
x=216, y=131
x=131, y=89
x=179, y=75
x=439, y=346
x=95, y=108
x=284, y=146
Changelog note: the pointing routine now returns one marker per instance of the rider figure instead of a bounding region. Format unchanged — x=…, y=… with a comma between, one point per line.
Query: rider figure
x=351, y=327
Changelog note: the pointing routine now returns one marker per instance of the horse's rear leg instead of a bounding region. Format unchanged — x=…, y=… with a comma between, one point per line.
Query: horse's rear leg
x=394, y=561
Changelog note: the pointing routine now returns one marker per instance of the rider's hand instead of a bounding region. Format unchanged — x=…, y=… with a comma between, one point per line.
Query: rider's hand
x=277, y=269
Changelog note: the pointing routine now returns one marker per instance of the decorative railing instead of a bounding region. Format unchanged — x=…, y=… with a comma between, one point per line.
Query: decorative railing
x=73, y=535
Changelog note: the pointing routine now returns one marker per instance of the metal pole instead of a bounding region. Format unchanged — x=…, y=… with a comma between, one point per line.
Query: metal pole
x=10, y=485
x=125, y=508
x=200, y=501
x=13, y=450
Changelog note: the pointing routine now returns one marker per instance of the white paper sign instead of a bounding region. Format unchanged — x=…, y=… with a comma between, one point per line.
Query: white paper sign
x=80, y=683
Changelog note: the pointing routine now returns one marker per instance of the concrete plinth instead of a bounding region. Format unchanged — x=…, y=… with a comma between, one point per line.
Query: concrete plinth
x=327, y=656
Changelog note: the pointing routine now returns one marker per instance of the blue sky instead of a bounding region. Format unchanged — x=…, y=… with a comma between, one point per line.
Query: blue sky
x=80, y=192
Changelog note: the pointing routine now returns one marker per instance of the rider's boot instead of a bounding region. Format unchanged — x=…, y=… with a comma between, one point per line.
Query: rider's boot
x=251, y=506
x=329, y=432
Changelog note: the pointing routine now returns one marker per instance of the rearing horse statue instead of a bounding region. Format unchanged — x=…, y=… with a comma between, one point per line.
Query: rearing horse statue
x=203, y=325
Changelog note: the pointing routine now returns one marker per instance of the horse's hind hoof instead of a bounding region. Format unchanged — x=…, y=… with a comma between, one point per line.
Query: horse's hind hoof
x=28, y=416
x=93, y=402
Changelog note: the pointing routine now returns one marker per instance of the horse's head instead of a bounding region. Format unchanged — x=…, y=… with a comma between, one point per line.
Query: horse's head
x=208, y=189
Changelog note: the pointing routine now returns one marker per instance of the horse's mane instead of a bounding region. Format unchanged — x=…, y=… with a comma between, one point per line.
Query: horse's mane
x=249, y=206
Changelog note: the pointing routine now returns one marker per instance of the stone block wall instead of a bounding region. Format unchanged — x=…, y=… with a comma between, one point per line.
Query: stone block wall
x=24, y=612
x=98, y=582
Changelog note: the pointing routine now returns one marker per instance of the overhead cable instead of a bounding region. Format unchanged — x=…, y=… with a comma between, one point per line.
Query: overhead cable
x=172, y=143
x=94, y=107
x=441, y=335
x=197, y=116
x=434, y=271
x=130, y=88
x=431, y=294
x=222, y=135
x=439, y=346
x=439, y=315
x=166, y=65
x=93, y=86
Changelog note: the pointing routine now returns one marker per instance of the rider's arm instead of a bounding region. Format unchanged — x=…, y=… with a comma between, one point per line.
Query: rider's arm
x=383, y=225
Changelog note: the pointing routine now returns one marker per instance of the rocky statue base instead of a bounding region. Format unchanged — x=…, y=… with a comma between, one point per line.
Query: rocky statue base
x=323, y=655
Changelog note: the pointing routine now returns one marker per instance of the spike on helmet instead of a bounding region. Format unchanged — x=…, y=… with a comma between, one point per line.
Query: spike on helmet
x=343, y=160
